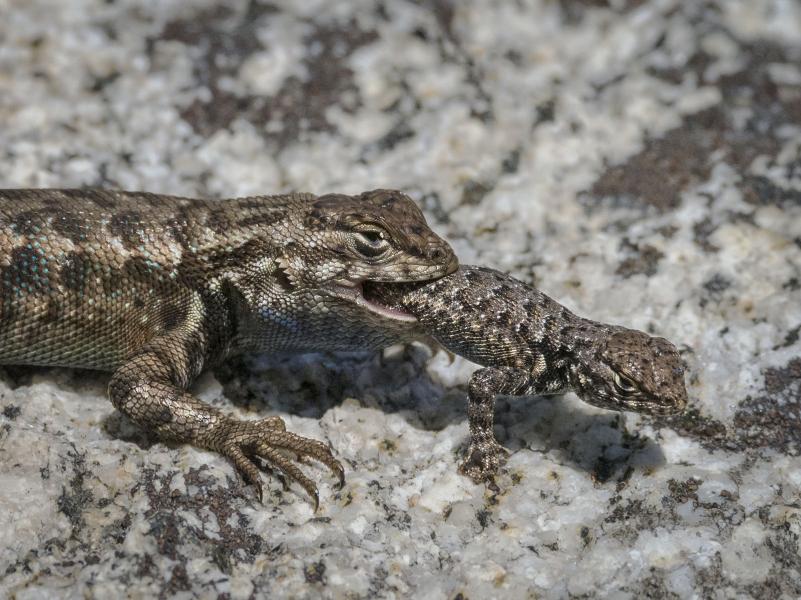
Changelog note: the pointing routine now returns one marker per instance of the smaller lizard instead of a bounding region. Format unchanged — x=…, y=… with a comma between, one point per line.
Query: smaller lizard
x=530, y=344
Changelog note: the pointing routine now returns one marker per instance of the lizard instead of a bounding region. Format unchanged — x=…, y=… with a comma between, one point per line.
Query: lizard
x=529, y=344
x=157, y=288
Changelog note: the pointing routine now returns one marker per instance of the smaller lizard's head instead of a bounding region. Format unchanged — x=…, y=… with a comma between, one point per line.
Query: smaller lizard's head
x=377, y=236
x=634, y=371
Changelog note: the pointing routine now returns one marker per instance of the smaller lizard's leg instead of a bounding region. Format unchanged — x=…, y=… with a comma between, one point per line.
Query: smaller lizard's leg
x=150, y=389
x=484, y=455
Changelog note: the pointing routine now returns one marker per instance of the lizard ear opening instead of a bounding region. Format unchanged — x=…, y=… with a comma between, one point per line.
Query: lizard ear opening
x=282, y=278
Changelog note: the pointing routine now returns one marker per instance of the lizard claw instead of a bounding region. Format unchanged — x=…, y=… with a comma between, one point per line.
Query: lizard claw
x=268, y=440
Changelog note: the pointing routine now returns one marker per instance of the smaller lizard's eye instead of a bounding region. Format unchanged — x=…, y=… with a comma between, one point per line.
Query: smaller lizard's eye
x=625, y=384
x=370, y=242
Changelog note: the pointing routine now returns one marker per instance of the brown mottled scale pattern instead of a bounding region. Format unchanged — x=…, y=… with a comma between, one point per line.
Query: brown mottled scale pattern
x=530, y=344
x=156, y=288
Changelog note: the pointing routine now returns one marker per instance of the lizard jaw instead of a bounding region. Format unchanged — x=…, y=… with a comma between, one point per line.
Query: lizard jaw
x=354, y=292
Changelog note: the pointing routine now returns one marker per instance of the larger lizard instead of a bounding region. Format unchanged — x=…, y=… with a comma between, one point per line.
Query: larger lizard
x=530, y=344
x=156, y=288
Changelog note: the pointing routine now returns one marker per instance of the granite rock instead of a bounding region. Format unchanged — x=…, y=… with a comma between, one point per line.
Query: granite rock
x=638, y=160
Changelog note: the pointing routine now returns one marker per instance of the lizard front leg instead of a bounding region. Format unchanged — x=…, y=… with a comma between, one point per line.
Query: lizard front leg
x=150, y=388
x=484, y=455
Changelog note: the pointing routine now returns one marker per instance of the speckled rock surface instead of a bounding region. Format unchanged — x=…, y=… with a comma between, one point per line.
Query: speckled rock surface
x=639, y=160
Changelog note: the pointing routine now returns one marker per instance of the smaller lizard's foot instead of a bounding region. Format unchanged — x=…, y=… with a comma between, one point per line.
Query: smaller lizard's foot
x=483, y=461
x=268, y=439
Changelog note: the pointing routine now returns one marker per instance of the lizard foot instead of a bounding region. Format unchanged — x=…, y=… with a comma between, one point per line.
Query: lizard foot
x=268, y=440
x=483, y=461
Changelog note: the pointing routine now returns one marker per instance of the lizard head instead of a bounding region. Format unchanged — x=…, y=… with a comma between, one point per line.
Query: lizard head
x=377, y=236
x=632, y=370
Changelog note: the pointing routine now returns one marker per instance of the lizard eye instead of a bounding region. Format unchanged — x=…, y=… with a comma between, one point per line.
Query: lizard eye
x=370, y=242
x=625, y=385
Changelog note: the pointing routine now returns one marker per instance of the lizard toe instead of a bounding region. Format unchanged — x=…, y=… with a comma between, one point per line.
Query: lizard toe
x=245, y=466
x=290, y=469
x=245, y=442
x=483, y=461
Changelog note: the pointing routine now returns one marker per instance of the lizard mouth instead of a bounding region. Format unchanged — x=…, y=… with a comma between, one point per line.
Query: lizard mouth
x=361, y=294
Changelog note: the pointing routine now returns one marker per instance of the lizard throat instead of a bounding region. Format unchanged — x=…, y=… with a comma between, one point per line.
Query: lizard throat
x=356, y=293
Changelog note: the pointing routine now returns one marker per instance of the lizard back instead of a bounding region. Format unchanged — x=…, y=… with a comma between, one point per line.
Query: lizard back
x=88, y=275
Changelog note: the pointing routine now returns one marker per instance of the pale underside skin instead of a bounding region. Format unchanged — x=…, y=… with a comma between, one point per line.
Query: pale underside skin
x=531, y=344
x=156, y=288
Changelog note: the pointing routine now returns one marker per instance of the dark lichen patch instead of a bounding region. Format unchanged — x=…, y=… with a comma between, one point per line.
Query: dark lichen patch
x=301, y=105
x=225, y=38
x=119, y=529
x=657, y=176
x=630, y=515
x=783, y=579
x=779, y=380
x=652, y=586
x=431, y=203
x=75, y=497
x=682, y=491
x=234, y=537
x=667, y=166
x=706, y=430
x=164, y=527
x=773, y=420
x=784, y=576
x=625, y=511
